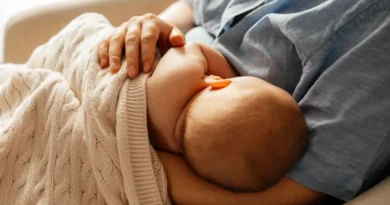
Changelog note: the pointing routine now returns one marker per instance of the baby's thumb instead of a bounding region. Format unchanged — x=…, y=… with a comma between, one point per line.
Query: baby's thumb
x=176, y=37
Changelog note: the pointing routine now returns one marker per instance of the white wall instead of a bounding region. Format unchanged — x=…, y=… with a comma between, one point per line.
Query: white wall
x=10, y=7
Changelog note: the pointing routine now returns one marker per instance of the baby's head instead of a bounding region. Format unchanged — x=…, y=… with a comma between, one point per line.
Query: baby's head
x=244, y=137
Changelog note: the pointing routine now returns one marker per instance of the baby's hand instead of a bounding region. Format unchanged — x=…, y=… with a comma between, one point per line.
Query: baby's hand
x=139, y=37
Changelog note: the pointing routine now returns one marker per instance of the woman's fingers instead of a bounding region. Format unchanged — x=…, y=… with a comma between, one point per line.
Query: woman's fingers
x=156, y=31
x=139, y=37
x=172, y=37
x=132, y=46
x=117, y=42
x=103, y=53
x=176, y=38
x=149, y=37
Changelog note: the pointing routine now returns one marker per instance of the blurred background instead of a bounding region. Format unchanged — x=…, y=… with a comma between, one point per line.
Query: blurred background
x=10, y=7
x=25, y=24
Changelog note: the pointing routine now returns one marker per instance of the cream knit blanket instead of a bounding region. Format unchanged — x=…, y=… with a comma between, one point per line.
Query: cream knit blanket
x=75, y=134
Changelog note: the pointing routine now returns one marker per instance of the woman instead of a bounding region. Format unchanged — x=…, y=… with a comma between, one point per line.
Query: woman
x=326, y=54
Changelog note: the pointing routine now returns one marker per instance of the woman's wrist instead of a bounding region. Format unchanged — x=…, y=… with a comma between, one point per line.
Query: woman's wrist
x=179, y=14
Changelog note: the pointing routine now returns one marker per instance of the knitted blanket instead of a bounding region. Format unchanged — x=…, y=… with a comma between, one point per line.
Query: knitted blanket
x=72, y=133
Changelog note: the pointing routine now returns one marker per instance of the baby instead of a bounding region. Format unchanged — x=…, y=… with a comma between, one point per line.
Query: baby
x=240, y=133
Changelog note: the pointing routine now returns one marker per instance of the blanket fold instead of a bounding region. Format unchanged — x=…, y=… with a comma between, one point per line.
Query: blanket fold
x=71, y=132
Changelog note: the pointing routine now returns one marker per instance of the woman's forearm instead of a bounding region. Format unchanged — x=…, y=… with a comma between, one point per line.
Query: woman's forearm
x=179, y=14
x=187, y=188
x=286, y=192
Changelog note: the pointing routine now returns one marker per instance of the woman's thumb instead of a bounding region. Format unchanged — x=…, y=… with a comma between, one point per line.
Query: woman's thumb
x=176, y=37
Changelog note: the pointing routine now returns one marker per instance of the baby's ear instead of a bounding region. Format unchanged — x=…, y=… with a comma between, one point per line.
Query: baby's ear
x=217, y=82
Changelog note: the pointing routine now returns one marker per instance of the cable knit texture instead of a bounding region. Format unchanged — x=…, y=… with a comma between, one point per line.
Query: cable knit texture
x=72, y=133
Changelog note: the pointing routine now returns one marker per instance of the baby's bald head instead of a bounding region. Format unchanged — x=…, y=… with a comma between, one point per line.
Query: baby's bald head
x=244, y=137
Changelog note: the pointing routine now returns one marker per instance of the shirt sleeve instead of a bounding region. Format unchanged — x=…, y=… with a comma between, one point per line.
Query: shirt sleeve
x=347, y=110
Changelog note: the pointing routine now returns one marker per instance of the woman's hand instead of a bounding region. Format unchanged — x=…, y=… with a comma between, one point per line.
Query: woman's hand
x=138, y=38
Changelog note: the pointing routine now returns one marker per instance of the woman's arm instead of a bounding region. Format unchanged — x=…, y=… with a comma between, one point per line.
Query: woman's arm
x=179, y=14
x=187, y=188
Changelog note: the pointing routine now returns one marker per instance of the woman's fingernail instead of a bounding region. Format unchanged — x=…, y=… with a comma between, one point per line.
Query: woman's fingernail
x=146, y=67
x=113, y=64
x=103, y=62
x=131, y=71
